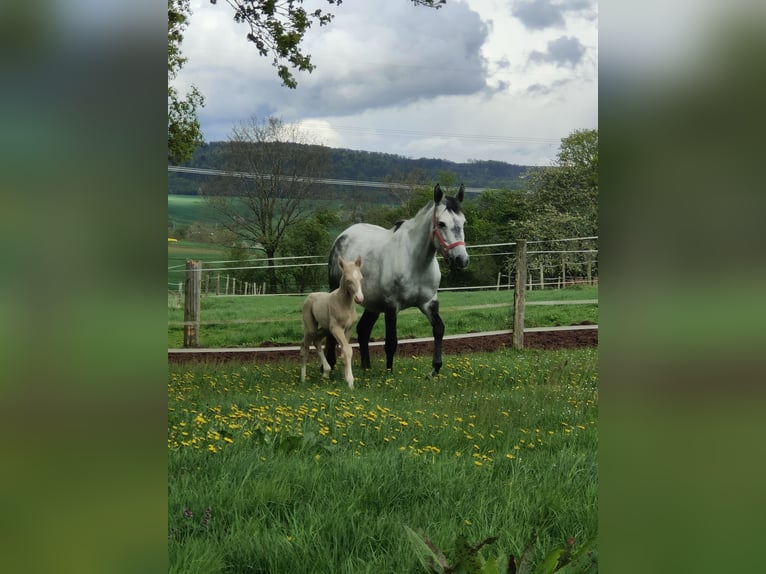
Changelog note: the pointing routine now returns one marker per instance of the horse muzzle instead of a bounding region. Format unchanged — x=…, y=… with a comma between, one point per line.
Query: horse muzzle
x=458, y=260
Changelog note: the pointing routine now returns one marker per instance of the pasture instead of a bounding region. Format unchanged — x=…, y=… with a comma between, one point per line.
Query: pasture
x=266, y=474
x=249, y=321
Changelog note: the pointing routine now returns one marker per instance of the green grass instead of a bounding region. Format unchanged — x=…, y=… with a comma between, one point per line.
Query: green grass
x=251, y=321
x=270, y=475
x=188, y=209
x=179, y=252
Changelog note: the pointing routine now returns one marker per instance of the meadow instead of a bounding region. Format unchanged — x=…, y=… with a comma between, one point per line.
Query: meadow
x=266, y=474
x=249, y=321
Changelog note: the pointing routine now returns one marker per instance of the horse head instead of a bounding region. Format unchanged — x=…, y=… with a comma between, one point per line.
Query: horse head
x=351, y=280
x=448, y=222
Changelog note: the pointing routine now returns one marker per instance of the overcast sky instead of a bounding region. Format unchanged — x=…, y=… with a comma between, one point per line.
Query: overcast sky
x=498, y=80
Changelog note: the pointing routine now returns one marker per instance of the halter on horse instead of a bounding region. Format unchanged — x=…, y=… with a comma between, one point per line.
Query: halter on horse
x=401, y=270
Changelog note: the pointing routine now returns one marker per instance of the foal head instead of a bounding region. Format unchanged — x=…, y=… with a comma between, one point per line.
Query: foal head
x=448, y=222
x=351, y=281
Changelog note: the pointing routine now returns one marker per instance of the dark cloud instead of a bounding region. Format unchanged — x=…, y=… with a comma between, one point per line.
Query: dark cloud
x=406, y=56
x=541, y=14
x=562, y=52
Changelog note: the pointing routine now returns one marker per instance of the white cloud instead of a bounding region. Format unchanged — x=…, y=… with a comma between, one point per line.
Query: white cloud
x=454, y=83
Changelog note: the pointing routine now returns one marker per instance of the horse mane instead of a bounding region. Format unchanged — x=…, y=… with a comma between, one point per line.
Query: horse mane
x=397, y=225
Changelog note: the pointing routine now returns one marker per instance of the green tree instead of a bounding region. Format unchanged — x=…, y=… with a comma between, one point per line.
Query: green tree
x=563, y=198
x=563, y=202
x=282, y=168
x=277, y=28
x=309, y=237
x=184, y=131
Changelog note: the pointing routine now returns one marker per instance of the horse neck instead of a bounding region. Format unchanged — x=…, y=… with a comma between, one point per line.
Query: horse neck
x=420, y=233
x=343, y=295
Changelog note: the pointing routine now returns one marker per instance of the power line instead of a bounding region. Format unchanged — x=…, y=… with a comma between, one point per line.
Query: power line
x=346, y=182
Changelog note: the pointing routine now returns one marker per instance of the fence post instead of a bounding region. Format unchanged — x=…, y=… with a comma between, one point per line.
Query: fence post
x=588, y=269
x=192, y=303
x=218, y=284
x=563, y=272
x=519, y=294
x=542, y=277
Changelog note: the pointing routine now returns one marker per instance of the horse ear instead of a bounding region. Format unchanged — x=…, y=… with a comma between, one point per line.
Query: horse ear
x=461, y=193
x=341, y=263
x=358, y=261
x=438, y=194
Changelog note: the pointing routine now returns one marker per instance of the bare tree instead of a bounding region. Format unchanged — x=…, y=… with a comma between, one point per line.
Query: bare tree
x=277, y=169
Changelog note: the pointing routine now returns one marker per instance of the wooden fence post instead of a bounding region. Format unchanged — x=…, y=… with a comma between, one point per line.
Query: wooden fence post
x=218, y=284
x=519, y=294
x=563, y=272
x=542, y=277
x=192, y=303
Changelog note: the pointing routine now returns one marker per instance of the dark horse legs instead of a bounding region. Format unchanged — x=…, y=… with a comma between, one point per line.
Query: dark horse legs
x=364, y=329
x=391, y=339
x=431, y=311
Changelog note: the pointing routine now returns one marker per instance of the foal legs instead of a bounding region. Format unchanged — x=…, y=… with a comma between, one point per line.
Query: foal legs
x=345, y=353
x=306, y=347
x=431, y=311
x=325, y=365
x=363, y=330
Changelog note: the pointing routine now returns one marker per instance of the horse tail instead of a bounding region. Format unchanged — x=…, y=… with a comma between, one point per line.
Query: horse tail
x=333, y=270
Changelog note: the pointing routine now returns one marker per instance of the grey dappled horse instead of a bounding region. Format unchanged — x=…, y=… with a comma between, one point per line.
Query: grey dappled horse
x=401, y=270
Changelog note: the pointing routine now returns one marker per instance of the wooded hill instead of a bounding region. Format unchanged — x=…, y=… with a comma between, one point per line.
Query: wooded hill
x=368, y=166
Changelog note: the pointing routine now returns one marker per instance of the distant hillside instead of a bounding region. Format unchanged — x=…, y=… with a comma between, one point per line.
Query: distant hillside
x=369, y=166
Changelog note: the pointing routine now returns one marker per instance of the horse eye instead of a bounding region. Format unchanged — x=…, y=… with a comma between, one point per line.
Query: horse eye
x=442, y=224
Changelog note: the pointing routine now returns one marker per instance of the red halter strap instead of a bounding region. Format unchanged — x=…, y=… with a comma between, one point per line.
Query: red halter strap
x=445, y=246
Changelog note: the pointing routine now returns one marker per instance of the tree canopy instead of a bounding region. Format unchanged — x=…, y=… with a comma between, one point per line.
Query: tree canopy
x=184, y=131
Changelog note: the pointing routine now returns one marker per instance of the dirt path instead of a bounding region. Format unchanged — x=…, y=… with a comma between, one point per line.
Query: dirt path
x=535, y=340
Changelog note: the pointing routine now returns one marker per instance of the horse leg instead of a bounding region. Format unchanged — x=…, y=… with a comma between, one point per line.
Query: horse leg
x=325, y=365
x=363, y=330
x=391, y=339
x=304, y=356
x=329, y=351
x=431, y=311
x=346, y=354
